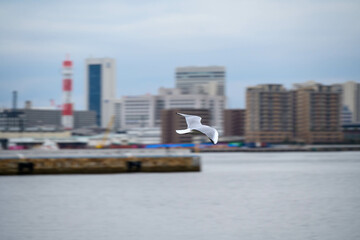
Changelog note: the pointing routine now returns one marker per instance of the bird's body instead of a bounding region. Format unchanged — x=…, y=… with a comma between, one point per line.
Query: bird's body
x=194, y=124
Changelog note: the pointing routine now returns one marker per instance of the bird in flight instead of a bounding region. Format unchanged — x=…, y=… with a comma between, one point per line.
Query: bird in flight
x=194, y=124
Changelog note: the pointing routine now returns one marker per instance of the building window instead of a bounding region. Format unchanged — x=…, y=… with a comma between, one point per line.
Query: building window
x=94, y=83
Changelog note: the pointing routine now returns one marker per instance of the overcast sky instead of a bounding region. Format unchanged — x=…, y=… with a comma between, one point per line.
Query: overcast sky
x=258, y=41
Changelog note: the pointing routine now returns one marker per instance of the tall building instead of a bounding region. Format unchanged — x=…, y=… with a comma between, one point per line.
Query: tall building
x=100, y=85
x=234, y=122
x=317, y=113
x=310, y=113
x=269, y=114
x=171, y=121
x=351, y=99
x=201, y=80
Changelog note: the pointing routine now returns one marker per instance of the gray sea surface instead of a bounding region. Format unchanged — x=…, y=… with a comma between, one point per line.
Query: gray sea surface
x=236, y=196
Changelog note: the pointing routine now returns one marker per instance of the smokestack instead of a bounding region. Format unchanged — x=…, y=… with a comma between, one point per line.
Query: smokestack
x=14, y=103
x=67, y=107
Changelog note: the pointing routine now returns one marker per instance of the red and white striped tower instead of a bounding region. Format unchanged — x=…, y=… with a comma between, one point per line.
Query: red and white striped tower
x=67, y=107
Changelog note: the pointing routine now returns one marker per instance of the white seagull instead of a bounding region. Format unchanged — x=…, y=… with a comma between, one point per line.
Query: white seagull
x=194, y=124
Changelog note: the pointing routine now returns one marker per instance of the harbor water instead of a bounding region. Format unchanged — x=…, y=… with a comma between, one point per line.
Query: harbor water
x=248, y=196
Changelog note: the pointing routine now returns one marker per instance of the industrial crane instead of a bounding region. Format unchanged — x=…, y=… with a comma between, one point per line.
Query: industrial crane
x=106, y=134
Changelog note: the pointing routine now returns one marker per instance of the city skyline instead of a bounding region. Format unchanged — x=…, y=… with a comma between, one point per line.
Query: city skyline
x=258, y=42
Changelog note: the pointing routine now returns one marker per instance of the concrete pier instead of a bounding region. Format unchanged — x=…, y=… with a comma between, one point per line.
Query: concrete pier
x=96, y=161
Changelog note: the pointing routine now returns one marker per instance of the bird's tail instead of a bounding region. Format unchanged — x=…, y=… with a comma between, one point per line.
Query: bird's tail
x=183, y=131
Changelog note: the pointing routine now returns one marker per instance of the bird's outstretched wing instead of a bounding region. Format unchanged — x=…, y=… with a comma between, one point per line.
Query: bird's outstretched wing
x=210, y=132
x=192, y=121
x=188, y=130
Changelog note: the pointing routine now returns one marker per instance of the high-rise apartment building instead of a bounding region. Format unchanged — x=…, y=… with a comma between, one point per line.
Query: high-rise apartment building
x=234, y=122
x=100, y=85
x=171, y=121
x=317, y=113
x=310, y=113
x=201, y=80
x=269, y=114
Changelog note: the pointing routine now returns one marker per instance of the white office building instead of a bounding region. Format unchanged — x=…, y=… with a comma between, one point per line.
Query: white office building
x=144, y=111
x=201, y=80
x=100, y=87
x=134, y=112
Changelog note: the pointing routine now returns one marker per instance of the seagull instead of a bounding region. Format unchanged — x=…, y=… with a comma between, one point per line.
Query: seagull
x=194, y=124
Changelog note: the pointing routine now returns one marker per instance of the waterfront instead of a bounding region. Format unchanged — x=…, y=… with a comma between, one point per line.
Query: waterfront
x=236, y=196
x=97, y=161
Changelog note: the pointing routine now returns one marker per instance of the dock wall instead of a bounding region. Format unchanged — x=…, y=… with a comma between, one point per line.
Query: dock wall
x=98, y=164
